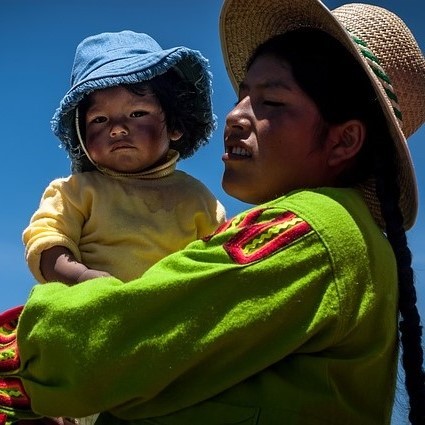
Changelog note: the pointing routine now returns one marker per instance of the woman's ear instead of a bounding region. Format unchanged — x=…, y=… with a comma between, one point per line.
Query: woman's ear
x=345, y=141
x=175, y=135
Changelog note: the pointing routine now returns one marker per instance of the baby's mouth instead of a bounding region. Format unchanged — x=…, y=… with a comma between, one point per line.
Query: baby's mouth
x=119, y=146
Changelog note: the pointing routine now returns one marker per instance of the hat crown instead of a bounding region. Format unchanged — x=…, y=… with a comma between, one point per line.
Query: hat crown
x=399, y=83
x=398, y=53
x=109, y=52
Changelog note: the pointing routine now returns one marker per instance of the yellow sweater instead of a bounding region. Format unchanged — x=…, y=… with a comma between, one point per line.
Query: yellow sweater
x=118, y=224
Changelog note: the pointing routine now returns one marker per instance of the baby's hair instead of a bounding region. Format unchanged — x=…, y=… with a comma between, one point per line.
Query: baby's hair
x=178, y=100
x=338, y=85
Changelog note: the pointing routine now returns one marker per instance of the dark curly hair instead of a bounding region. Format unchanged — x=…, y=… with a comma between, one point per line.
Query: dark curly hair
x=178, y=100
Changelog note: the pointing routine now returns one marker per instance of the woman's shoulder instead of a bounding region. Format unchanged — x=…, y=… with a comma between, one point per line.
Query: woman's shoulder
x=339, y=216
x=327, y=205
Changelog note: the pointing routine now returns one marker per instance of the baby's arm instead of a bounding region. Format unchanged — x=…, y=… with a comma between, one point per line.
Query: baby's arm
x=59, y=264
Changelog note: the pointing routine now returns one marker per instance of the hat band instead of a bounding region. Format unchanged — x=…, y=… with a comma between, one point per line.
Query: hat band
x=377, y=69
x=80, y=139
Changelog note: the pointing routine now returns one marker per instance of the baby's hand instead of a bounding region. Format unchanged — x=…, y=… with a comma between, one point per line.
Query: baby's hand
x=91, y=274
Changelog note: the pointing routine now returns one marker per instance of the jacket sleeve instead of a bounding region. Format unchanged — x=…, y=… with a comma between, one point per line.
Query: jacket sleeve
x=196, y=323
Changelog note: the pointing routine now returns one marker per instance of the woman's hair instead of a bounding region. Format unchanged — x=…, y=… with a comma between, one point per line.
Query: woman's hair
x=178, y=100
x=341, y=90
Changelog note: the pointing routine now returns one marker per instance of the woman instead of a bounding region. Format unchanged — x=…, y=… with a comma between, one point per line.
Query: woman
x=287, y=313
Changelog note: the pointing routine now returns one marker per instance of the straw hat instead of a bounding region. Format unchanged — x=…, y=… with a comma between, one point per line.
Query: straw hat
x=377, y=38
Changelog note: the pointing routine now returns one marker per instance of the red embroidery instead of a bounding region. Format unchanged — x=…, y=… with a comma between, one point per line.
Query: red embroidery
x=8, y=322
x=238, y=221
x=9, y=357
x=256, y=241
x=12, y=394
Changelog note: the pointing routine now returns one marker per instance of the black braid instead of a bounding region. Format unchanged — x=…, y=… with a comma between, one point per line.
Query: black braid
x=409, y=324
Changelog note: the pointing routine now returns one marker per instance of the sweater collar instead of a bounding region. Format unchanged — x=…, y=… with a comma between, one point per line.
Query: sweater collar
x=161, y=170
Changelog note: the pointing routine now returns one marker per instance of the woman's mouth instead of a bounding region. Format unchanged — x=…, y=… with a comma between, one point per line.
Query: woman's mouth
x=238, y=151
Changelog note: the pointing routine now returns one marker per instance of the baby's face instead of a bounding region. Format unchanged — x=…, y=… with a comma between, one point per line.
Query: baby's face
x=126, y=132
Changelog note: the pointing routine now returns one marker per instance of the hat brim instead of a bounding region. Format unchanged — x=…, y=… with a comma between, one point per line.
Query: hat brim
x=245, y=25
x=190, y=64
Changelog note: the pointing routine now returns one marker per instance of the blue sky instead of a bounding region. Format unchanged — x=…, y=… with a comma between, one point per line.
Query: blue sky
x=39, y=41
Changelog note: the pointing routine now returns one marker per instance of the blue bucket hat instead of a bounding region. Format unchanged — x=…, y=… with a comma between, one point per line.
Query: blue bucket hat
x=115, y=58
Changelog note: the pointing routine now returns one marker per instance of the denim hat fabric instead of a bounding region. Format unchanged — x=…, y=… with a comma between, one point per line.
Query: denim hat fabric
x=113, y=58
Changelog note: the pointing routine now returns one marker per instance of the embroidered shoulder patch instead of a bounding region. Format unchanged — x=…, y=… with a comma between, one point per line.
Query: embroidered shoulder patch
x=257, y=240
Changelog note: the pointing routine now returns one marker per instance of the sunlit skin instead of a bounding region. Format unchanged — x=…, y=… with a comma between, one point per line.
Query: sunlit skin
x=271, y=137
x=126, y=132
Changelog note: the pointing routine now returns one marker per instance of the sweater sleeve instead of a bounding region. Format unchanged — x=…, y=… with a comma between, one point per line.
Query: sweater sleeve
x=201, y=206
x=196, y=323
x=213, y=216
x=57, y=221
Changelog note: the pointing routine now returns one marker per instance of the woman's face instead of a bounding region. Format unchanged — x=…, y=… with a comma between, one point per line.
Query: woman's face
x=126, y=132
x=272, y=136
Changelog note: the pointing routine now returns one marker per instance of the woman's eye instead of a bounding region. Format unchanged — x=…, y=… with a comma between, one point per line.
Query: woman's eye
x=137, y=114
x=273, y=103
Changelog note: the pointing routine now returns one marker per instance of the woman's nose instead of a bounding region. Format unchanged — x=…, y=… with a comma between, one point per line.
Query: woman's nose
x=238, y=117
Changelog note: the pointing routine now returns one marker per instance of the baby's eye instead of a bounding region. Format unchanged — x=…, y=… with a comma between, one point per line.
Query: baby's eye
x=98, y=120
x=137, y=114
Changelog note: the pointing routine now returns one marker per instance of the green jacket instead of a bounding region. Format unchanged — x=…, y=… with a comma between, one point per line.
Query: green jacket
x=286, y=315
